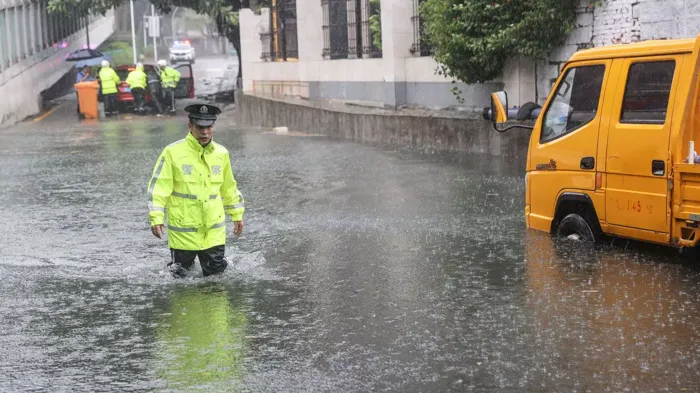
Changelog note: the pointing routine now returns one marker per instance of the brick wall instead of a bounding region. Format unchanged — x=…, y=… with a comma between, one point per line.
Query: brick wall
x=613, y=22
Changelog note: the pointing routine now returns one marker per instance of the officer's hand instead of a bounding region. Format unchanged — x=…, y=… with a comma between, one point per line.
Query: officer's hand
x=238, y=228
x=158, y=230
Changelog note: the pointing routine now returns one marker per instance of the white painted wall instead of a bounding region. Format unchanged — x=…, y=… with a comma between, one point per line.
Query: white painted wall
x=614, y=21
x=24, y=81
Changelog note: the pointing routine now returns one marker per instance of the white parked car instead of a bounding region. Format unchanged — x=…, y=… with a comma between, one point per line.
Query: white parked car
x=182, y=51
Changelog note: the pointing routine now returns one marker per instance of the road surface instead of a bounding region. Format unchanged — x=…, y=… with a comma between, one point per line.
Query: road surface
x=361, y=269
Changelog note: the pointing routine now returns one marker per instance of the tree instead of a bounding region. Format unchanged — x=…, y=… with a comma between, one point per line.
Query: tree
x=472, y=39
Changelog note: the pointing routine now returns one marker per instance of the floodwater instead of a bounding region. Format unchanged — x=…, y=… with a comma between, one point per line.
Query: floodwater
x=361, y=269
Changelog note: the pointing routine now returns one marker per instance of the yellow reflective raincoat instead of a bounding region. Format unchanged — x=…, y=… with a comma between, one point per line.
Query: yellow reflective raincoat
x=196, y=186
x=137, y=78
x=169, y=77
x=109, y=80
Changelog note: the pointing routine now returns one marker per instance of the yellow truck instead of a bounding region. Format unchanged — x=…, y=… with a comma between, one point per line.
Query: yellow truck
x=612, y=149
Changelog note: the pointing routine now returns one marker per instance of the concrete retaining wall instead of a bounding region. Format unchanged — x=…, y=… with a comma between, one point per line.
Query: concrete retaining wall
x=402, y=129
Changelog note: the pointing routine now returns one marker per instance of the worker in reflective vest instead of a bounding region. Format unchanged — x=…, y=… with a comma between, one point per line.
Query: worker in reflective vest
x=109, y=80
x=137, y=82
x=193, y=181
x=169, y=78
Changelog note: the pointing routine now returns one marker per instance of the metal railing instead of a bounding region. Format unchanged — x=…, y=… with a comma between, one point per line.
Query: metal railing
x=370, y=9
x=283, y=30
x=419, y=47
x=346, y=30
x=266, y=46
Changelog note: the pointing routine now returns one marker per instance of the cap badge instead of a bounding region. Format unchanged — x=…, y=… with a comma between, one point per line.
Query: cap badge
x=203, y=110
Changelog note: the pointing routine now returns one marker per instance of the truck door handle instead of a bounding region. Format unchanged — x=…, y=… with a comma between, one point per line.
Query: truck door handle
x=587, y=163
x=658, y=168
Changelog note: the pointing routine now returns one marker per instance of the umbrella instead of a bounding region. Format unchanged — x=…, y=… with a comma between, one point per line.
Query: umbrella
x=93, y=62
x=83, y=54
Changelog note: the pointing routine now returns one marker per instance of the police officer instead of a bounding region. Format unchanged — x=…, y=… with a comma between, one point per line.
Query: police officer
x=109, y=80
x=193, y=181
x=169, y=78
x=137, y=82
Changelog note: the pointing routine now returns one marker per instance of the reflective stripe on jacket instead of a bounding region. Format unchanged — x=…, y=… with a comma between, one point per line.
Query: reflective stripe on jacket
x=109, y=80
x=196, y=186
x=136, y=79
x=169, y=77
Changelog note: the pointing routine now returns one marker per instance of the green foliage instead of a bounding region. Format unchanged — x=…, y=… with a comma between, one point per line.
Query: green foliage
x=82, y=7
x=375, y=22
x=472, y=39
x=120, y=52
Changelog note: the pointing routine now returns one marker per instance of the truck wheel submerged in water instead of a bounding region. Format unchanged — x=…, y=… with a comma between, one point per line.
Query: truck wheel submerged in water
x=575, y=227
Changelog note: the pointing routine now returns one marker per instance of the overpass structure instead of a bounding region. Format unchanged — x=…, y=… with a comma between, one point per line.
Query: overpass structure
x=33, y=46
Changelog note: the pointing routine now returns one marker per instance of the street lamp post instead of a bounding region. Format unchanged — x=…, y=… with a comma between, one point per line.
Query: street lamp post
x=172, y=23
x=133, y=30
x=155, y=33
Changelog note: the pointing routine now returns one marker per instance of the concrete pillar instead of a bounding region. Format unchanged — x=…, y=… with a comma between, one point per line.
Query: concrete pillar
x=397, y=38
x=251, y=45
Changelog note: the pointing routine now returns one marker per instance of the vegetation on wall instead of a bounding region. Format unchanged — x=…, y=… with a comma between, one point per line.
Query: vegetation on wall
x=473, y=39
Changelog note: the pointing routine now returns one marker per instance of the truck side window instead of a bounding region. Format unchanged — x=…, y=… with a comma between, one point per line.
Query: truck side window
x=575, y=102
x=647, y=91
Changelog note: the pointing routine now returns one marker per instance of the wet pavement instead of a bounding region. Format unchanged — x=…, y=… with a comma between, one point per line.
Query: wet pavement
x=361, y=269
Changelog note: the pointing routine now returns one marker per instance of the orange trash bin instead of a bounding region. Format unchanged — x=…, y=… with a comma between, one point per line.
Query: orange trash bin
x=87, y=98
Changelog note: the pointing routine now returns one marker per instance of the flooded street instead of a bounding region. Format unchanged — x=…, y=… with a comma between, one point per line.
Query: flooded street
x=360, y=269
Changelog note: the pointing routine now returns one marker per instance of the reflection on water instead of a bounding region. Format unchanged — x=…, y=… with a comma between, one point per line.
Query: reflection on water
x=613, y=317
x=201, y=341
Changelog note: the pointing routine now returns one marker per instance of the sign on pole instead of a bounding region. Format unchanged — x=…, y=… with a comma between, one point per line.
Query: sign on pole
x=154, y=26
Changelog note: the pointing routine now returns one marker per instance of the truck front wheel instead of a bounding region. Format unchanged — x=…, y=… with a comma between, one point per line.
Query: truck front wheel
x=575, y=227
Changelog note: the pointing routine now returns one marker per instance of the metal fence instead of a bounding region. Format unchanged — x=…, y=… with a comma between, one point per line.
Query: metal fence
x=346, y=31
x=283, y=42
x=265, y=38
x=420, y=46
x=27, y=28
x=370, y=9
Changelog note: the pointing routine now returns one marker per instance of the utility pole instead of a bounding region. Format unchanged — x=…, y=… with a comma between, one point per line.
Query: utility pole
x=133, y=30
x=154, y=33
x=172, y=23
x=87, y=30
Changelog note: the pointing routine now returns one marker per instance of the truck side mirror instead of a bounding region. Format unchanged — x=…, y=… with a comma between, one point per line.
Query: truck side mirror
x=499, y=107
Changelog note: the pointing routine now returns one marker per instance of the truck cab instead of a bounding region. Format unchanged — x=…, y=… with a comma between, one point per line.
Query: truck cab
x=609, y=153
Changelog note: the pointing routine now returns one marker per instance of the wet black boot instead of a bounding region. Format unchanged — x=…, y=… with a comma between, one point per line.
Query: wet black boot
x=177, y=270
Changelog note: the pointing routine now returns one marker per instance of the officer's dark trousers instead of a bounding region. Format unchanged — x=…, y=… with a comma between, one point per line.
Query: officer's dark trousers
x=212, y=261
x=138, y=94
x=169, y=98
x=154, y=89
x=110, y=103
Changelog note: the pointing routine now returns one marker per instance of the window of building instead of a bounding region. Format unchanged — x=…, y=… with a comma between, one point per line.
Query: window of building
x=419, y=47
x=283, y=30
x=575, y=103
x=647, y=92
x=346, y=29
